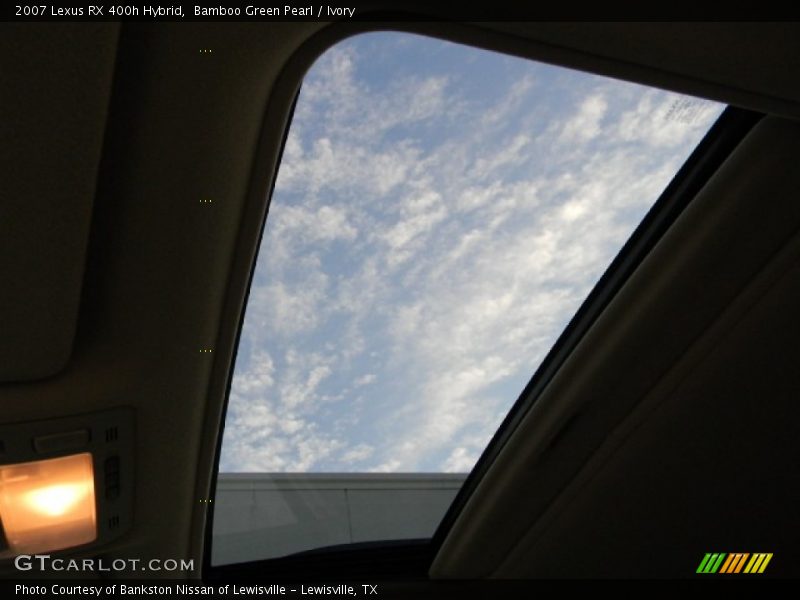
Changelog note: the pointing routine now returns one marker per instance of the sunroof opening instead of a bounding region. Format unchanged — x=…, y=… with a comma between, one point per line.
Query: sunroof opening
x=440, y=214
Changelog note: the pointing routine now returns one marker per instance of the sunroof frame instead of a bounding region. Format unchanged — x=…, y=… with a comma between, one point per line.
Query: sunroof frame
x=411, y=559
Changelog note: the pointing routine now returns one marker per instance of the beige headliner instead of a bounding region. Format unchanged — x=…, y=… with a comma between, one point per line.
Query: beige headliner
x=166, y=275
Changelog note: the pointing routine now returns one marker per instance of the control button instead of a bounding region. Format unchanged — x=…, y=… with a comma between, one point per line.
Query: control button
x=112, y=464
x=112, y=492
x=112, y=478
x=58, y=442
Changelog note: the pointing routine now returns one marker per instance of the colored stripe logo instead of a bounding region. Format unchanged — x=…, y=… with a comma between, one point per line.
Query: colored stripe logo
x=735, y=562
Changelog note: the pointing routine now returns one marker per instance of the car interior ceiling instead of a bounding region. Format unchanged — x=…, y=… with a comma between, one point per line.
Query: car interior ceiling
x=667, y=430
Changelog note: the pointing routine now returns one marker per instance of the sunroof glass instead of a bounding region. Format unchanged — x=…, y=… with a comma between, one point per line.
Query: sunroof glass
x=440, y=213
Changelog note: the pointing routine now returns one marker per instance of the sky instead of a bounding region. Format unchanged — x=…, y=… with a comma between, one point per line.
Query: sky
x=440, y=214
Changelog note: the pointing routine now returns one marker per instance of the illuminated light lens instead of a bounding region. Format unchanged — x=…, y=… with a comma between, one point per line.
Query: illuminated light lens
x=48, y=504
x=57, y=500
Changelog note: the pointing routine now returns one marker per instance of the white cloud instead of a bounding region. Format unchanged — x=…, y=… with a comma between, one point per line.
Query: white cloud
x=259, y=376
x=324, y=223
x=424, y=212
x=292, y=308
x=365, y=379
x=461, y=460
x=516, y=97
x=585, y=125
x=357, y=454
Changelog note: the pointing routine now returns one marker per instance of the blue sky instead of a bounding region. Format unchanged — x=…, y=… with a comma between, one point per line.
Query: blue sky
x=440, y=213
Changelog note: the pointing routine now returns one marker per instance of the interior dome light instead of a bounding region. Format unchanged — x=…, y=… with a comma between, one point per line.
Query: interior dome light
x=48, y=505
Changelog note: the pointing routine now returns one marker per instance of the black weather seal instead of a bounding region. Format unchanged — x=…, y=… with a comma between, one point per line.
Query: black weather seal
x=208, y=533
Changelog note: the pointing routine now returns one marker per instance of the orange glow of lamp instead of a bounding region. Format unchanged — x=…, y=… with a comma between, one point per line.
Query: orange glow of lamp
x=48, y=504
